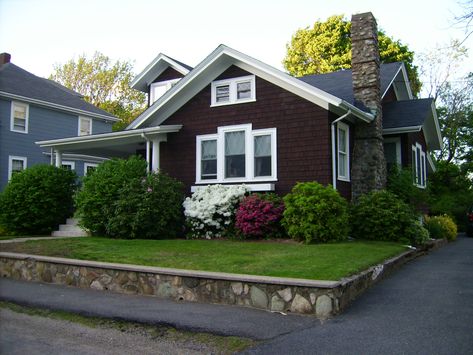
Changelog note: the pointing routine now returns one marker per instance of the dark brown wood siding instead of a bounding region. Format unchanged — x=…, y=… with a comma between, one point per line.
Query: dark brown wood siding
x=303, y=132
x=390, y=96
x=168, y=74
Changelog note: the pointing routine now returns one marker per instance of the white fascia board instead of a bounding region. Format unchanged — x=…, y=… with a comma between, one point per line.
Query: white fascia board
x=57, y=106
x=142, y=78
x=400, y=130
x=431, y=162
x=402, y=70
x=110, y=136
x=89, y=158
x=221, y=58
x=438, y=133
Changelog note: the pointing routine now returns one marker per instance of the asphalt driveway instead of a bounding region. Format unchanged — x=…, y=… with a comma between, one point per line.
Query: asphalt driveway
x=424, y=308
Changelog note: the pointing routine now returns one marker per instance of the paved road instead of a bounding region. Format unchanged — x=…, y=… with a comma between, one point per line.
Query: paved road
x=424, y=308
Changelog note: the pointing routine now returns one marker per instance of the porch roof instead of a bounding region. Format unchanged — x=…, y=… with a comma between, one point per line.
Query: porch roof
x=114, y=144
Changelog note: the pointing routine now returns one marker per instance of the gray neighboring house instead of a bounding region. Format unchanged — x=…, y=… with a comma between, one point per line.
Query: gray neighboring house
x=33, y=109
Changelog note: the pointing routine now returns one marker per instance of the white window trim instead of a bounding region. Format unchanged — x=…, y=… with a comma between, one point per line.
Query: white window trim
x=86, y=165
x=233, y=82
x=10, y=164
x=343, y=127
x=397, y=141
x=12, y=116
x=89, y=120
x=168, y=84
x=249, y=154
x=72, y=164
x=422, y=167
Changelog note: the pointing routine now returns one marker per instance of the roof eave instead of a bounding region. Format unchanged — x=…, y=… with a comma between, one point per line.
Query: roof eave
x=259, y=68
x=57, y=106
x=400, y=130
x=140, y=82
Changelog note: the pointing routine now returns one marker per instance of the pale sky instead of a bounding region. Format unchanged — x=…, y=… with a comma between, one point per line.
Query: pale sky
x=40, y=33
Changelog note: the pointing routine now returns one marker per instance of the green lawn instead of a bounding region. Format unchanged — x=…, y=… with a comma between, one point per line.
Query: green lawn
x=315, y=261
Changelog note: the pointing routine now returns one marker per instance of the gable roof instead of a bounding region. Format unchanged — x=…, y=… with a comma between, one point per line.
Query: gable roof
x=155, y=68
x=17, y=83
x=340, y=83
x=218, y=61
x=412, y=116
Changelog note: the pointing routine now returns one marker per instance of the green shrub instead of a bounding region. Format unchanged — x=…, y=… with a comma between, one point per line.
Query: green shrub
x=37, y=200
x=315, y=213
x=416, y=234
x=148, y=208
x=121, y=200
x=400, y=183
x=381, y=215
x=441, y=227
x=100, y=190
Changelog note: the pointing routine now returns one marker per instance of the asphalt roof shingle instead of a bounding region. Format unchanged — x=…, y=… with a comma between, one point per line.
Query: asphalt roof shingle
x=339, y=83
x=17, y=81
x=406, y=113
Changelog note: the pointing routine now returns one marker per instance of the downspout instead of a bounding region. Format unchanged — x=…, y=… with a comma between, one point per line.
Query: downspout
x=334, y=162
x=147, y=150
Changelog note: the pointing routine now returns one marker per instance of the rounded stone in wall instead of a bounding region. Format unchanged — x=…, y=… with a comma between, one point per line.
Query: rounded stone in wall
x=191, y=282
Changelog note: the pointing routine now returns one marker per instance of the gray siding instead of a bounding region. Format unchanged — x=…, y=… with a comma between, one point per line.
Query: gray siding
x=44, y=124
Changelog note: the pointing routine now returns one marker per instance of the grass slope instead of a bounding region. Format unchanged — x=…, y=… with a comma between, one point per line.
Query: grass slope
x=315, y=261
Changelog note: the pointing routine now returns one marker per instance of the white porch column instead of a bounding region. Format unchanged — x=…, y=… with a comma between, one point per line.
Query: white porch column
x=156, y=161
x=58, y=158
x=148, y=154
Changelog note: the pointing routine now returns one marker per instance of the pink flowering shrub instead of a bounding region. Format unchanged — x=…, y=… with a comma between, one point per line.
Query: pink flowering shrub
x=258, y=216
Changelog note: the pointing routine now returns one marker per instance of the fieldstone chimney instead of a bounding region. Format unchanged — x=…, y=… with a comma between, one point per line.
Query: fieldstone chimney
x=368, y=163
x=4, y=58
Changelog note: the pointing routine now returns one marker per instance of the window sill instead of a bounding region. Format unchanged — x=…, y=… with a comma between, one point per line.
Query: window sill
x=22, y=132
x=252, y=187
x=343, y=179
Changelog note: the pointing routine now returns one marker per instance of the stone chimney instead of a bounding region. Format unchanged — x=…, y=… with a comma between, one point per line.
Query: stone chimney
x=368, y=163
x=4, y=58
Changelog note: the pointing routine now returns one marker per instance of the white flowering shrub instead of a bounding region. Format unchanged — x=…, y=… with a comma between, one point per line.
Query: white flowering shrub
x=211, y=209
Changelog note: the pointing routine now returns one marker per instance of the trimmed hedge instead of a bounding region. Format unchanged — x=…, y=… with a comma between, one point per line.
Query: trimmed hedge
x=314, y=212
x=37, y=200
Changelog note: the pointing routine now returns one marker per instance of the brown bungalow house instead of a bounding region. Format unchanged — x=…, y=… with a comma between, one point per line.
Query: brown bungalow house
x=233, y=119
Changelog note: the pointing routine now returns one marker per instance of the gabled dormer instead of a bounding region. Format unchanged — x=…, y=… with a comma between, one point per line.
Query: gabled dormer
x=159, y=76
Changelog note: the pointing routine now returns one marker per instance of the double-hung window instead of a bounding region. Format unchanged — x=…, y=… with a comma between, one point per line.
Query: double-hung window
x=236, y=154
x=89, y=168
x=69, y=165
x=15, y=165
x=392, y=152
x=419, y=171
x=343, y=149
x=233, y=91
x=19, y=117
x=85, y=126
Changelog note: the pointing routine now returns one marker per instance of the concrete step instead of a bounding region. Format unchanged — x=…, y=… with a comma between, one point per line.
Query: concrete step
x=72, y=221
x=69, y=227
x=81, y=233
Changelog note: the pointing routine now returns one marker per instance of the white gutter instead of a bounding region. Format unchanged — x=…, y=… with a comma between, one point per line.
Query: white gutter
x=334, y=163
x=58, y=107
x=402, y=130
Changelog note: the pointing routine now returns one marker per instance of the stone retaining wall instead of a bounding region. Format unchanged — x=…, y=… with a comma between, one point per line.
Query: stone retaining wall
x=320, y=298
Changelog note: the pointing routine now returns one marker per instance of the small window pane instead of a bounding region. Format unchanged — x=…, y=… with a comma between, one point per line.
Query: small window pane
x=418, y=167
x=19, y=124
x=209, y=160
x=235, y=154
x=85, y=126
x=17, y=165
x=342, y=146
x=222, y=93
x=342, y=165
x=263, y=155
x=244, y=90
x=90, y=169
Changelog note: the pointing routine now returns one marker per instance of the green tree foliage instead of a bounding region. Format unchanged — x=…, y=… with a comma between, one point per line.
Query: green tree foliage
x=37, y=200
x=121, y=200
x=103, y=83
x=326, y=47
x=450, y=192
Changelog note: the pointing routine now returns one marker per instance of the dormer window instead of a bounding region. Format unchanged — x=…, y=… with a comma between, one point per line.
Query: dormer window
x=158, y=89
x=233, y=91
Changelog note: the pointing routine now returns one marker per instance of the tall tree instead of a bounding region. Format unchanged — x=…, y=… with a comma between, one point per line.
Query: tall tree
x=455, y=112
x=103, y=83
x=326, y=47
